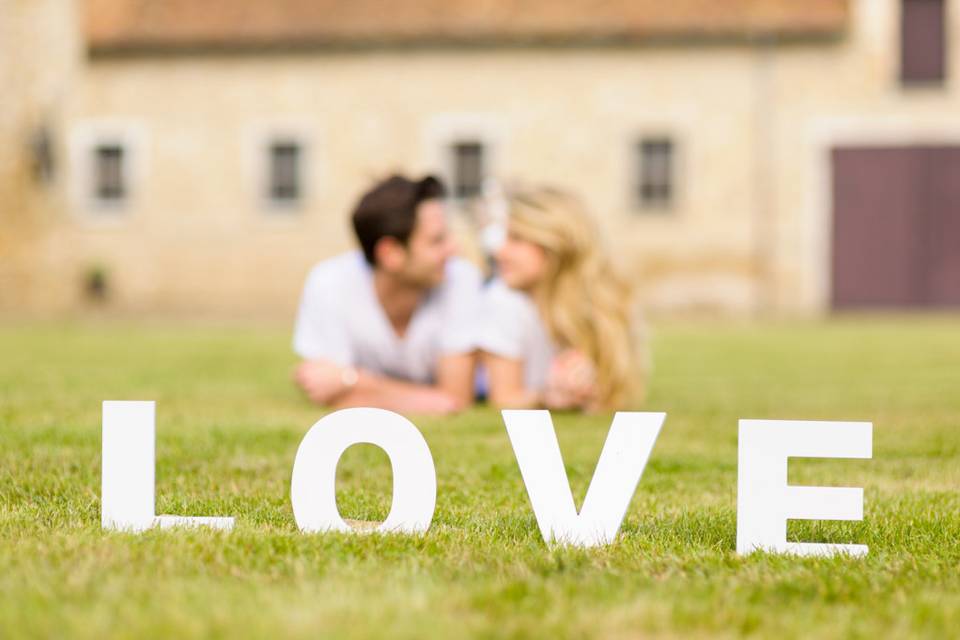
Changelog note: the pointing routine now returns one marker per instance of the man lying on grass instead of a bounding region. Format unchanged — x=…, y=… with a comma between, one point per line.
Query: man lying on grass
x=391, y=326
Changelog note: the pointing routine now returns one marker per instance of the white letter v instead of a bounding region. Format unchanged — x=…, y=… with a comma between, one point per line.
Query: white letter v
x=624, y=456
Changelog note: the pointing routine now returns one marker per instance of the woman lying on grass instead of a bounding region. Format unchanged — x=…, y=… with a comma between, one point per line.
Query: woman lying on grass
x=559, y=330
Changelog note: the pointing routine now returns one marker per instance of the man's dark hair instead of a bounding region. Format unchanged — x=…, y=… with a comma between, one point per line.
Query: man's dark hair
x=389, y=210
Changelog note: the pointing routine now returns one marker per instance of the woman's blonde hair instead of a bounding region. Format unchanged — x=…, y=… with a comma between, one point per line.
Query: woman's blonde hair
x=587, y=305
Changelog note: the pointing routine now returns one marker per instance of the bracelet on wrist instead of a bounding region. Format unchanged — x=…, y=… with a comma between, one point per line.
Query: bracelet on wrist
x=349, y=377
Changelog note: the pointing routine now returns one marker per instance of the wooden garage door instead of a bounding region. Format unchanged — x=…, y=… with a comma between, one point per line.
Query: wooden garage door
x=896, y=227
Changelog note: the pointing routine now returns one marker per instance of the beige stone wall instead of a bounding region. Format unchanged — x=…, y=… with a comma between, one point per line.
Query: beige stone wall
x=196, y=234
x=13, y=175
x=39, y=54
x=752, y=122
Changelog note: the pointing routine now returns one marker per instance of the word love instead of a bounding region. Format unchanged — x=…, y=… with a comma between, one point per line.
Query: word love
x=764, y=499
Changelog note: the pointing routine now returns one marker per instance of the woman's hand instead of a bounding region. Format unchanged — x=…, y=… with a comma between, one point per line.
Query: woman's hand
x=571, y=383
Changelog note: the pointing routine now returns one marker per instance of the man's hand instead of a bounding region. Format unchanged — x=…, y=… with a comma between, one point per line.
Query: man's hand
x=321, y=380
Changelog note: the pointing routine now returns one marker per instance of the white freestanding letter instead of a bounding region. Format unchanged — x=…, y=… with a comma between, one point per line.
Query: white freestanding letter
x=764, y=499
x=624, y=456
x=127, y=491
x=313, y=486
x=127, y=500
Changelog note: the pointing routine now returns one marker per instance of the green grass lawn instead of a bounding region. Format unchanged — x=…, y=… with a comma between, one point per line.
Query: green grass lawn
x=229, y=423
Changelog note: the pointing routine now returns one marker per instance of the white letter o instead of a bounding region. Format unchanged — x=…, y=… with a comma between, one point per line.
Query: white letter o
x=313, y=485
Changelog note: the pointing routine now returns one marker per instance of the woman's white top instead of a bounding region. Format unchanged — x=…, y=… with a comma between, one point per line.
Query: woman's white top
x=511, y=327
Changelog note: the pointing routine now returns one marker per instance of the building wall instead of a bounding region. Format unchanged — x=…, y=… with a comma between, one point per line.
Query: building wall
x=753, y=124
x=40, y=48
x=196, y=233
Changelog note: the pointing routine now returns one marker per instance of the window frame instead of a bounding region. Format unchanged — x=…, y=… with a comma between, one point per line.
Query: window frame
x=642, y=203
x=454, y=161
x=86, y=137
x=443, y=130
x=269, y=194
x=109, y=194
x=256, y=141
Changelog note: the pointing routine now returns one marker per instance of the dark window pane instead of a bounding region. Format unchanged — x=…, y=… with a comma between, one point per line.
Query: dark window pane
x=109, y=172
x=285, y=171
x=923, y=42
x=656, y=173
x=468, y=169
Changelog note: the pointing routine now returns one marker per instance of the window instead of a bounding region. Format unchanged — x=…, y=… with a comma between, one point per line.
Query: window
x=284, y=172
x=922, y=42
x=109, y=173
x=656, y=183
x=106, y=164
x=42, y=157
x=468, y=169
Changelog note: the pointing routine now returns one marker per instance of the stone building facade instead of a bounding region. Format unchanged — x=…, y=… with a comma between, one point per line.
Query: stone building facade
x=204, y=155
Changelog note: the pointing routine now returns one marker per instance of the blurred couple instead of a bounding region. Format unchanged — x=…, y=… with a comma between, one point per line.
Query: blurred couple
x=404, y=324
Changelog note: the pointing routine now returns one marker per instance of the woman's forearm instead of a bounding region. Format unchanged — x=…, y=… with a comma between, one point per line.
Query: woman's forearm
x=519, y=398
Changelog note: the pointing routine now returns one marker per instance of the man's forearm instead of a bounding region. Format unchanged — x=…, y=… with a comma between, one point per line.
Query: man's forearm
x=387, y=393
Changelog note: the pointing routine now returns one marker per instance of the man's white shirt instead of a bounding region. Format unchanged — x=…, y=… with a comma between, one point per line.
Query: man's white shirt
x=341, y=320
